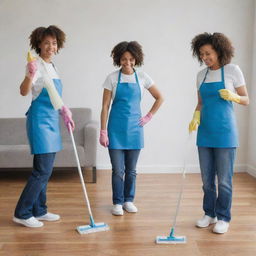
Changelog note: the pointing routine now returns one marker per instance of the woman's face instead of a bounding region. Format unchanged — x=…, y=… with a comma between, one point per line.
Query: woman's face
x=48, y=48
x=209, y=56
x=127, y=62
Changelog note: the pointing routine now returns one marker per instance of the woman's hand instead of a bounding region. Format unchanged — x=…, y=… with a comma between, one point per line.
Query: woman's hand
x=145, y=119
x=67, y=117
x=195, y=121
x=31, y=66
x=228, y=95
x=104, y=138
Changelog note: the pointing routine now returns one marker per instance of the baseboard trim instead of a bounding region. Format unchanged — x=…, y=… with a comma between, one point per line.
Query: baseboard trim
x=251, y=170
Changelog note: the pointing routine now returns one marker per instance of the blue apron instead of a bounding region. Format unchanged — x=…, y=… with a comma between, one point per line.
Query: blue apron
x=123, y=125
x=43, y=123
x=218, y=124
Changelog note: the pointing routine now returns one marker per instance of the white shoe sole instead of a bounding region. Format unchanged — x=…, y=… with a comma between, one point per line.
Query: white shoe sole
x=118, y=213
x=19, y=221
x=220, y=232
x=46, y=219
x=130, y=210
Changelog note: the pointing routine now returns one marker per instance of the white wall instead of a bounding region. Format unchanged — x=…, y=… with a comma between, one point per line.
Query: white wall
x=252, y=115
x=164, y=28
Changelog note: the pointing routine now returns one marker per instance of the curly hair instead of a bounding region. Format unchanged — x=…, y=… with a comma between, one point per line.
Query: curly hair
x=38, y=35
x=219, y=42
x=133, y=47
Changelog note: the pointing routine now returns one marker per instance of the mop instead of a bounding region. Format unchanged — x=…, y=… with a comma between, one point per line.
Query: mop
x=172, y=239
x=93, y=227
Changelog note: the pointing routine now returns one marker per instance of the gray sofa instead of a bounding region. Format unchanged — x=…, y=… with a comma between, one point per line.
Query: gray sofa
x=15, y=151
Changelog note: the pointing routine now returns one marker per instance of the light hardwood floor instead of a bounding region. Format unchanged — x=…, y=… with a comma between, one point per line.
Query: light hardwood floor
x=131, y=234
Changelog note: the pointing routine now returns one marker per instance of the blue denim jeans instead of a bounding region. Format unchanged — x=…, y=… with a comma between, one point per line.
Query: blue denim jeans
x=217, y=162
x=123, y=174
x=32, y=201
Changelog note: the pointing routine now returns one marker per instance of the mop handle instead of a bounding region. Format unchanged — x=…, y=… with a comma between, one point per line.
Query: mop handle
x=182, y=184
x=80, y=171
x=179, y=199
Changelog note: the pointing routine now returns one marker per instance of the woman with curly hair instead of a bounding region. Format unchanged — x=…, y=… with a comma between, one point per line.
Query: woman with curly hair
x=43, y=131
x=219, y=85
x=124, y=134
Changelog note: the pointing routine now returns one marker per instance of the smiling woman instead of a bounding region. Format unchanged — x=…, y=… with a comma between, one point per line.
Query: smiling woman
x=219, y=84
x=42, y=126
x=124, y=133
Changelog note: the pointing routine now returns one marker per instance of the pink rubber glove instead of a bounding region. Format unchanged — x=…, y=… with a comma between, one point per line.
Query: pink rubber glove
x=31, y=69
x=145, y=119
x=104, y=138
x=67, y=117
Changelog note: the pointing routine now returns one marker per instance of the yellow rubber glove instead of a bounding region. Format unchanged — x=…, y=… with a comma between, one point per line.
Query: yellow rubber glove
x=228, y=95
x=195, y=121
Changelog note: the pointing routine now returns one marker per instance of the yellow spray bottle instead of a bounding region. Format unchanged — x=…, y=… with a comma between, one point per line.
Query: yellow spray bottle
x=30, y=57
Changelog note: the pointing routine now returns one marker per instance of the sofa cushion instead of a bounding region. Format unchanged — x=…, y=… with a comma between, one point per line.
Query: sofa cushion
x=13, y=131
x=15, y=156
x=18, y=156
x=67, y=158
x=15, y=151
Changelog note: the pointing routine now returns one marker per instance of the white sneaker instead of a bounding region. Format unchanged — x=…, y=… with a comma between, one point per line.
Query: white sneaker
x=206, y=221
x=31, y=222
x=221, y=227
x=49, y=217
x=130, y=207
x=117, y=210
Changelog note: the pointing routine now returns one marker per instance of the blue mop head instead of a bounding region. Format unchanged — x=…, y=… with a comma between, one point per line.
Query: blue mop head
x=97, y=227
x=171, y=239
x=92, y=228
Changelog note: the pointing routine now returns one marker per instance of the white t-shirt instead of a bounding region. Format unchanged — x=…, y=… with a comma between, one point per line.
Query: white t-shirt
x=38, y=82
x=111, y=81
x=233, y=77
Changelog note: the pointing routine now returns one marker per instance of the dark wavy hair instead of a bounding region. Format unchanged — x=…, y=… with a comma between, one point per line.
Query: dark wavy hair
x=38, y=35
x=219, y=42
x=133, y=47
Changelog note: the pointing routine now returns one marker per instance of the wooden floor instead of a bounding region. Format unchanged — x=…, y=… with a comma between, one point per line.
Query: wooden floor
x=131, y=234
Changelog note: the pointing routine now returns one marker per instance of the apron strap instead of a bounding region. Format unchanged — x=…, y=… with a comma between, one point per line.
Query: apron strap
x=205, y=75
x=119, y=76
x=222, y=75
x=136, y=77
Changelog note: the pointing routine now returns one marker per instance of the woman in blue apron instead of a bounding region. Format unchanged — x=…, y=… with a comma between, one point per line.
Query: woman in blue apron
x=124, y=133
x=42, y=124
x=219, y=85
